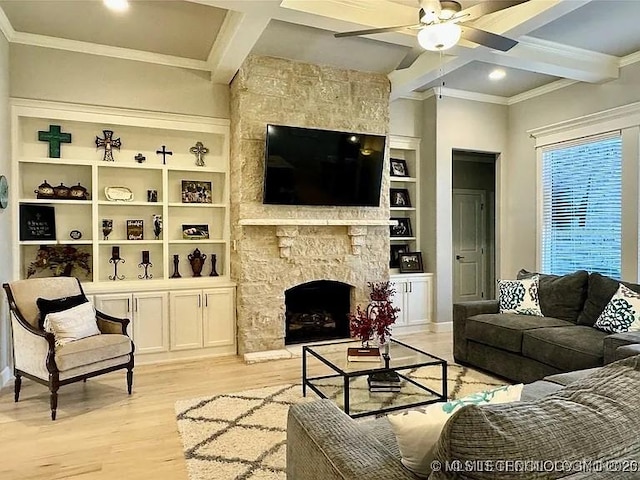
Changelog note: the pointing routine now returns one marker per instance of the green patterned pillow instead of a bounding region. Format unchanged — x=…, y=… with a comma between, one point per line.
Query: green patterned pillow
x=622, y=313
x=417, y=430
x=519, y=296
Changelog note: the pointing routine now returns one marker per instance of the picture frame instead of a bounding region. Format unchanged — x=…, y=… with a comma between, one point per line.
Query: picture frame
x=37, y=222
x=400, y=197
x=401, y=228
x=196, y=191
x=195, y=231
x=399, y=167
x=394, y=254
x=410, y=262
x=135, y=229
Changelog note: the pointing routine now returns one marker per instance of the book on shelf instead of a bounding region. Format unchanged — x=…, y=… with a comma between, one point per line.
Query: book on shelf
x=355, y=354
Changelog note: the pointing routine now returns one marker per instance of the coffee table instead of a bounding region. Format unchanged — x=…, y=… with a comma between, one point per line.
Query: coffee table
x=423, y=377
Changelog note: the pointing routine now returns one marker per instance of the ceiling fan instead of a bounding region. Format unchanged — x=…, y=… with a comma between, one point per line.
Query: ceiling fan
x=442, y=23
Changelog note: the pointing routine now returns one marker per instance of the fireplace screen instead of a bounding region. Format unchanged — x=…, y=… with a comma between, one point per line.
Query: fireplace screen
x=317, y=311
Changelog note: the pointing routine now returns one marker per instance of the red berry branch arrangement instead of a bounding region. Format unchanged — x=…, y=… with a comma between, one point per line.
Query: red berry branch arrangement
x=378, y=317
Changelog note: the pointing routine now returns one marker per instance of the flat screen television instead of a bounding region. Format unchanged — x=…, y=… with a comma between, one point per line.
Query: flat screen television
x=305, y=166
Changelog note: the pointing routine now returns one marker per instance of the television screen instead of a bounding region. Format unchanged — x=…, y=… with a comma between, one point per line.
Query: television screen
x=305, y=166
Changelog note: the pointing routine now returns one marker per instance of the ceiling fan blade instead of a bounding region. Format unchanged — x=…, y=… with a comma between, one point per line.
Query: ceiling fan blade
x=485, y=8
x=488, y=39
x=371, y=31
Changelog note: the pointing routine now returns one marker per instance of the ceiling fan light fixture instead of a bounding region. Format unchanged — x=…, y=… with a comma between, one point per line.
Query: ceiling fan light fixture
x=448, y=9
x=439, y=36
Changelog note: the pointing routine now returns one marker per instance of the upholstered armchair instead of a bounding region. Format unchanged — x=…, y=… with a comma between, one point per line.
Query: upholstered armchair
x=38, y=357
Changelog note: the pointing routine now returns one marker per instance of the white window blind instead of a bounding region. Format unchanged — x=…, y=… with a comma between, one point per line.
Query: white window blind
x=582, y=206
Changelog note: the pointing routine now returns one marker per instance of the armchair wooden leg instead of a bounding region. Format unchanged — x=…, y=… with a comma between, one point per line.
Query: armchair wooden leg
x=129, y=379
x=54, y=402
x=16, y=387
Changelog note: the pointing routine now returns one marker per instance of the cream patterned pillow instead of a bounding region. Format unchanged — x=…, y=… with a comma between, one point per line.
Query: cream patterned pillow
x=417, y=431
x=519, y=296
x=622, y=313
x=72, y=324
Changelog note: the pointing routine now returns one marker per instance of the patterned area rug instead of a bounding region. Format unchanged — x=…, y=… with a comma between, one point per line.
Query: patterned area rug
x=242, y=436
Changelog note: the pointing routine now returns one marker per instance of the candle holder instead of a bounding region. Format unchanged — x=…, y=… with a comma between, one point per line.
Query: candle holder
x=145, y=264
x=116, y=260
x=176, y=261
x=213, y=266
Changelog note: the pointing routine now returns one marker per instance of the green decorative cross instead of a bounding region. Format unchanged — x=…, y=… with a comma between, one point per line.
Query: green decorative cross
x=55, y=138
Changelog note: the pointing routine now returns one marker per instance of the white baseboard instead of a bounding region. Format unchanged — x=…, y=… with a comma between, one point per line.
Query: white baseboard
x=5, y=376
x=437, y=327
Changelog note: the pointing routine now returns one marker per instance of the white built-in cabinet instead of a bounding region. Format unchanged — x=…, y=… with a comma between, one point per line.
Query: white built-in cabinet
x=171, y=318
x=413, y=298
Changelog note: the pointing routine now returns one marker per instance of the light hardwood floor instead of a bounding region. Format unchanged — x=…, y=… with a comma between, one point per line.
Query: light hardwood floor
x=102, y=433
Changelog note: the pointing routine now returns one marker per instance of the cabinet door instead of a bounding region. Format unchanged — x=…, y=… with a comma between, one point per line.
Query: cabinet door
x=418, y=301
x=398, y=300
x=116, y=305
x=151, y=322
x=219, y=317
x=186, y=319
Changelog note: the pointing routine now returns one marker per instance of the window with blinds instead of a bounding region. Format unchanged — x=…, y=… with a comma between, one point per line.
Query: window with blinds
x=582, y=206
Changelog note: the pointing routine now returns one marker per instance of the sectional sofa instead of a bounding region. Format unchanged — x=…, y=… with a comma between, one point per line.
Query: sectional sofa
x=525, y=348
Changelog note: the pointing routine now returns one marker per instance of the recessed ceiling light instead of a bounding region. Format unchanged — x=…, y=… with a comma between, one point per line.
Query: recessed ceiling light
x=497, y=74
x=117, y=5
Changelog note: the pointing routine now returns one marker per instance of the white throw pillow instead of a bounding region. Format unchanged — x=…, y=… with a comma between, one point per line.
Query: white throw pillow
x=622, y=313
x=417, y=431
x=72, y=324
x=519, y=296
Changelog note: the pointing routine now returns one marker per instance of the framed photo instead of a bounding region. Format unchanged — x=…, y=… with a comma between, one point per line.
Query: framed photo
x=37, y=222
x=411, y=262
x=400, y=197
x=135, y=230
x=394, y=255
x=195, y=232
x=402, y=227
x=399, y=168
x=196, y=191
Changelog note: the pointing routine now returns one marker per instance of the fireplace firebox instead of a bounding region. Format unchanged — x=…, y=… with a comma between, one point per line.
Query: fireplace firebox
x=316, y=311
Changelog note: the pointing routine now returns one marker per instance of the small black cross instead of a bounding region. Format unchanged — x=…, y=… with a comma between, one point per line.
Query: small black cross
x=164, y=154
x=55, y=138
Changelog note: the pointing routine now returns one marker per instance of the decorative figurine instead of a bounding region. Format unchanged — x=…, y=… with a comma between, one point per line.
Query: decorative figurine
x=145, y=264
x=199, y=150
x=157, y=226
x=152, y=196
x=196, y=259
x=107, y=227
x=108, y=143
x=213, y=265
x=115, y=259
x=75, y=234
x=139, y=158
x=164, y=154
x=55, y=137
x=176, y=261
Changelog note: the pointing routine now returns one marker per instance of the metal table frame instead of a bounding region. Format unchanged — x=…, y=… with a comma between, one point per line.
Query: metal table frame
x=347, y=376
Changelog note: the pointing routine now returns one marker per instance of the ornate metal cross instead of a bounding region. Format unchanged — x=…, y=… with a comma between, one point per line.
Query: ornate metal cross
x=164, y=154
x=199, y=150
x=55, y=137
x=108, y=143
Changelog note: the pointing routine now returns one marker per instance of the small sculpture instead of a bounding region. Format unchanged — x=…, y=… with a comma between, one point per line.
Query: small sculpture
x=107, y=227
x=108, y=143
x=213, y=265
x=196, y=259
x=55, y=137
x=157, y=226
x=139, y=158
x=164, y=152
x=199, y=150
x=176, y=261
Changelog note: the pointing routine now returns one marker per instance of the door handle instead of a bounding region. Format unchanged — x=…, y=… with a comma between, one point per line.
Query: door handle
x=459, y=257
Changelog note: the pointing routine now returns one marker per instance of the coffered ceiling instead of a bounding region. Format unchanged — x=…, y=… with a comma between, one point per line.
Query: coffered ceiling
x=560, y=41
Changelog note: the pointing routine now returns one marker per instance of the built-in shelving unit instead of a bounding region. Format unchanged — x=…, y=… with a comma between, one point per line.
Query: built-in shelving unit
x=82, y=163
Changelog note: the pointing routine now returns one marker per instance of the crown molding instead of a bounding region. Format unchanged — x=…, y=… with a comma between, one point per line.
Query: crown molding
x=630, y=59
x=466, y=95
x=543, y=90
x=5, y=26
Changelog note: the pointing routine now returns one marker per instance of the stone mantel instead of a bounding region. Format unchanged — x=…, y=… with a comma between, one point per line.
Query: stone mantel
x=287, y=230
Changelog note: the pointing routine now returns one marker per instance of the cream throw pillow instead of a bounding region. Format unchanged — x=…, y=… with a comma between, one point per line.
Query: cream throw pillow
x=417, y=431
x=622, y=313
x=519, y=296
x=72, y=324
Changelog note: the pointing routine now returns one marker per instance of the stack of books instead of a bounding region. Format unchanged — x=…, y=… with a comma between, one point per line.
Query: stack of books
x=384, y=381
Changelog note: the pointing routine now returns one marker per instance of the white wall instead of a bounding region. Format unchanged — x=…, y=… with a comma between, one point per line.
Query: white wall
x=57, y=75
x=5, y=215
x=518, y=249
x=406, y=117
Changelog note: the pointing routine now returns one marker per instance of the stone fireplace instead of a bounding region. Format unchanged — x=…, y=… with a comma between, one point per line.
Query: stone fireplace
x=277, y=248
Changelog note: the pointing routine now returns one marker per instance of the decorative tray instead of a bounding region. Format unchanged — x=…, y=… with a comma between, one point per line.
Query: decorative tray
x=118, y=194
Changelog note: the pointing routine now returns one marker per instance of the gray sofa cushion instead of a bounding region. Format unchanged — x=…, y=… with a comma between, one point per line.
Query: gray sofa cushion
x=566, y=348
x=589, y=419
x=563, y=379
x=601, y=289
x=504, y=330
x=563, y=296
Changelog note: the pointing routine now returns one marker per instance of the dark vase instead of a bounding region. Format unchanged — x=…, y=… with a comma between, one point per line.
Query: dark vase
x=176, y=261
x=213, y=265
x=196, y=259
x=68, y=268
